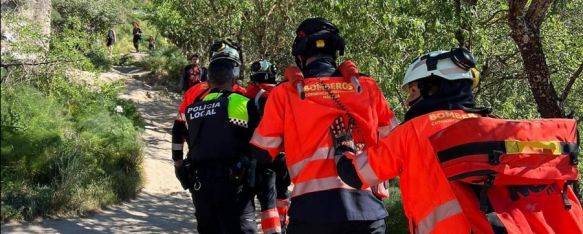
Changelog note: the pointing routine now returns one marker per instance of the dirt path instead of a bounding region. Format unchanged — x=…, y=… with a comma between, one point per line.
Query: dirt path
x=162, y=206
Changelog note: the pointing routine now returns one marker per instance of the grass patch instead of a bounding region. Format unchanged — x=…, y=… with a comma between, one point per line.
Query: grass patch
x=66, y=151
x=396, y=222
x=166, y=67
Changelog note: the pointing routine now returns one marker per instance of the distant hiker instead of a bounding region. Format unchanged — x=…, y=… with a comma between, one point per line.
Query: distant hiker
x=110, y=40
x=218, y=168
x=137, y=32
x=192, y=74
x=151, y=43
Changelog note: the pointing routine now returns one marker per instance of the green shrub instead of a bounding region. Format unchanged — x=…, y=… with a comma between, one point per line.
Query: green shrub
x=396, y=222
x=66, y=151
x=97, y=15
x=166, y=66
x=99, y=57
x=32, y=125
x=166, y=62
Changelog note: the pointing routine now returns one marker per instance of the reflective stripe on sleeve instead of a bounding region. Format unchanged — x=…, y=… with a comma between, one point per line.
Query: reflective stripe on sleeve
x=439, y=214
x=177, y=147
x=266, y=142
x=321, y=184
x=319, y=154
x=385, y=130
x=258, y=97
x=394, y=123
x=365, y=170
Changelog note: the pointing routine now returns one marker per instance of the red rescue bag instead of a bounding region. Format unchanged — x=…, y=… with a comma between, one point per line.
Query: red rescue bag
x=514, y=152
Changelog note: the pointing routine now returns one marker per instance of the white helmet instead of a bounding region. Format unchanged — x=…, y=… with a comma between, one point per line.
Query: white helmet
x=451, y=65
x=223, y=49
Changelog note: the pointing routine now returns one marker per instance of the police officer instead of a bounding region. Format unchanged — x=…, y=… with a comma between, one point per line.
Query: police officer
x=297, y=118
x=274, y=179
x=440, y=84
x=220, y=125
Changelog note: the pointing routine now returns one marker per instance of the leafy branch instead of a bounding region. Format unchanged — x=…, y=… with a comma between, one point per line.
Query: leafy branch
x=571, y=82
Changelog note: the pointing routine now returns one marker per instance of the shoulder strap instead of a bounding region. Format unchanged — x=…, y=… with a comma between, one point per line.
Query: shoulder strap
x=258, y=97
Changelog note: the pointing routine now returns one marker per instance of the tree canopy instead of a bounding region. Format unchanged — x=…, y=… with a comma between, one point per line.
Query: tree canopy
x=384, y=36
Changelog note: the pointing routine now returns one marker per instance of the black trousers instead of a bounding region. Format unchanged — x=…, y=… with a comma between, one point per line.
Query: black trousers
x=282, y=178
x=222, y=205
x=137, y=44
x=266, y=193
x=348, y=227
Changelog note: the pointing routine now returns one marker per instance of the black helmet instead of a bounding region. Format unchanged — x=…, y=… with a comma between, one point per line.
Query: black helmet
x=262, y=71
x=317, y=35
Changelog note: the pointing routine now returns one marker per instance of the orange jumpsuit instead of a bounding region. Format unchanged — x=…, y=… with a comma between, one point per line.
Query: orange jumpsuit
x=435, y=205
x=301, y=127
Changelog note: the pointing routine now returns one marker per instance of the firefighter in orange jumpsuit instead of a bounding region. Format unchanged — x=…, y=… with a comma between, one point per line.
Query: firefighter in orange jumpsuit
x=297, y=117
x=272, y=180
x=439, y=85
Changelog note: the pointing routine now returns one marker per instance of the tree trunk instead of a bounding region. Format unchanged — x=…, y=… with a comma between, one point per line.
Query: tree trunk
x=525, y=25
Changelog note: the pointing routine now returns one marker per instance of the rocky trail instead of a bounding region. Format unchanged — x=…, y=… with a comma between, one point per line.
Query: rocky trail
x=162, y=206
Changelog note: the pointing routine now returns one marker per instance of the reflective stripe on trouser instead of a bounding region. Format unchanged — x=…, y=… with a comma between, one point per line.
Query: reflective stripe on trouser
x=439, y=214
x=177, y=146
x=365, y=171
x=282, y=209
x=320, y=184
x=270, y=221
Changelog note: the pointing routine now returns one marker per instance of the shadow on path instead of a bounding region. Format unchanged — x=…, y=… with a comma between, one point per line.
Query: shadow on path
x=148, y=213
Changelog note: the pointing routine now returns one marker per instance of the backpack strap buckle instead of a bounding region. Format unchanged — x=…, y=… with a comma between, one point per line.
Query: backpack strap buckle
x=494, y=157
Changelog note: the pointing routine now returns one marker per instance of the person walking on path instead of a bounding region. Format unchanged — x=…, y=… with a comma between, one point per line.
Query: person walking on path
x=151, y=43
x=297, y=117
x=137, y=35
x=462, y=170
x=218, y=168
x=110, y=40
x=273, y=181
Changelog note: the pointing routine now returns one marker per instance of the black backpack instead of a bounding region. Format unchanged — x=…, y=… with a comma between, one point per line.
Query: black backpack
x=110, y=35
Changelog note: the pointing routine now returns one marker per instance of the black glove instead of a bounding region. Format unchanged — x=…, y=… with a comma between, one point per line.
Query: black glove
x=342, y=136
x=243, y=171
x=185, y=174
x=343, y=142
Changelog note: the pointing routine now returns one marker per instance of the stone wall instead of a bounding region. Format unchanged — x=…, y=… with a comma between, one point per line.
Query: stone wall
x=23, y=15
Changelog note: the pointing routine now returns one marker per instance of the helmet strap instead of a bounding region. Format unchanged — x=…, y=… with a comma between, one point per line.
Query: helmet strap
x=415, y=101
x=300, y=61
x=426, y=84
